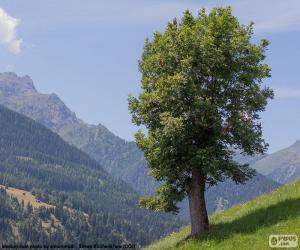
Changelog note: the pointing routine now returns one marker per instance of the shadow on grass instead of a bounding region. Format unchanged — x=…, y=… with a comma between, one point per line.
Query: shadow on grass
x=257, y=219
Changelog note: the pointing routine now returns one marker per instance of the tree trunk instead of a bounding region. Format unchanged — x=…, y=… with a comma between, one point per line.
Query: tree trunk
x=198, y=212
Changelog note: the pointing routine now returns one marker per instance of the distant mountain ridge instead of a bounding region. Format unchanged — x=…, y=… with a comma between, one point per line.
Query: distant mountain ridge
x=282, y=166
x=120, y=158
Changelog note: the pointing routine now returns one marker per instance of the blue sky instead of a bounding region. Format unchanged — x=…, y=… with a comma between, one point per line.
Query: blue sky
x=87, y=52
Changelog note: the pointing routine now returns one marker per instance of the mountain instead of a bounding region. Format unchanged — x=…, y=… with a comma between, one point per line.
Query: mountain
x=19, y=94
x=282, y=166
x=246, y=226
x=120, y=158
x=88, y=204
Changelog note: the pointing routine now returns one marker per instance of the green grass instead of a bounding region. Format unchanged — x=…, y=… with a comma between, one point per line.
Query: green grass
x=245, y=226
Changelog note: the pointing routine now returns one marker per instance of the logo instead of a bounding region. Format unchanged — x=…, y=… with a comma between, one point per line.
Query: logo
x=283, y=241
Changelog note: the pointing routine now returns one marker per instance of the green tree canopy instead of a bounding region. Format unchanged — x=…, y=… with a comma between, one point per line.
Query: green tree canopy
x=201, y=98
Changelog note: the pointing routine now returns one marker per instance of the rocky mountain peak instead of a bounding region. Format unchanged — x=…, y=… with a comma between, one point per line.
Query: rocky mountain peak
x=19, y=94
x=12, y=84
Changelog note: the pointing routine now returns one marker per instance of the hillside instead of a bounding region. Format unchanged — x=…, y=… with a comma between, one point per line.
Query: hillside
x=282, y=166
x=25, y=197
x=245, y=226
x=34, y=159
x=120, y=158
x=12, y=213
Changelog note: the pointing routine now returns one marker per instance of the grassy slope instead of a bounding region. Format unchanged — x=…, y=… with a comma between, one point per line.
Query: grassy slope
x=26, y=197
x=246, y=226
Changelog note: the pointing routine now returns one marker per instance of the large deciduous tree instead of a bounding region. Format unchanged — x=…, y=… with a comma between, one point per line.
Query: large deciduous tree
x=201, y=98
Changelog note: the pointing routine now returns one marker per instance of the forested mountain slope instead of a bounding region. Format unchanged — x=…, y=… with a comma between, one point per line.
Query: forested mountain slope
x=35, y=159
x=22, y=223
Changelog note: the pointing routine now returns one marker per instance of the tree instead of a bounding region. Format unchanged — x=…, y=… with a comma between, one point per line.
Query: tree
x=201, y=98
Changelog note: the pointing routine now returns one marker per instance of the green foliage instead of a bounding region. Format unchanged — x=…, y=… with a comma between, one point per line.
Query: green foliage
x=245, y=226
x=201, y=97
x=35, y=159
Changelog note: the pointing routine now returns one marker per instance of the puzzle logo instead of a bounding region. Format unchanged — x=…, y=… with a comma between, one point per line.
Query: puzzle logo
x=283, y=241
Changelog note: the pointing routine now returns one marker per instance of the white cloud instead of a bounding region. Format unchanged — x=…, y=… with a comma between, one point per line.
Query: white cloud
x=284, y=92
x=8, y=37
